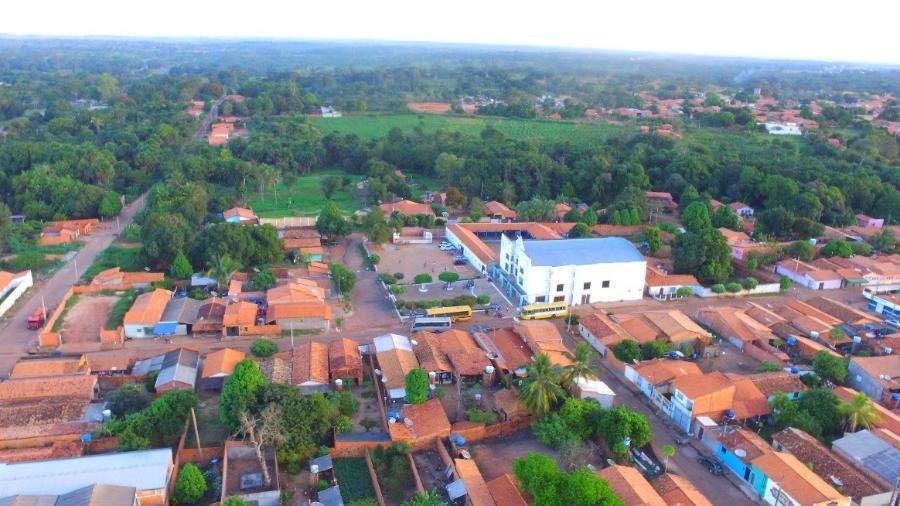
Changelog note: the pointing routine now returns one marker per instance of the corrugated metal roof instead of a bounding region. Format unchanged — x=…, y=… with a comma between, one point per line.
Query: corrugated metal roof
x=582, y=251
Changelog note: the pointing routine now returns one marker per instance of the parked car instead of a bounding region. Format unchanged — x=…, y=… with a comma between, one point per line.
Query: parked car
x=446, y=246
x=459, y=260
x=713, y=466
x=893, y=323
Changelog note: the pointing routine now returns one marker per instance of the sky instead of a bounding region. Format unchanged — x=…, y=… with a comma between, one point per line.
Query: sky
x=829, y=30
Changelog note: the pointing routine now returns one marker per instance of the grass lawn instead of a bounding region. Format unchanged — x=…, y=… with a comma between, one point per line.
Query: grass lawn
x=128, y=259
x=353, y=475
x=373, y=126
x=117, y=313
x=305, y=196
x=62, y=317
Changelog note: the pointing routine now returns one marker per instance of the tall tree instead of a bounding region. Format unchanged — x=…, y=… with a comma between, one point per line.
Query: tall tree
x=582, y=365
x=541, y=389
x=859, y=412
x=239, y=393
x=221, y=267
x=695, y=217
x=331, y=222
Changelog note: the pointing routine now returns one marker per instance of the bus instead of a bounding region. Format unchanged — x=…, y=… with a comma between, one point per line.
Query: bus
x=544, y=310
x=456, y=313
x=434, y=324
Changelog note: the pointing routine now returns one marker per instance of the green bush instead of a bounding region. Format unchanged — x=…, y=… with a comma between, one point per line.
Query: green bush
x=718, y=288
x=398, y=276
x=483, y=300
x=476, y=415
x=263, y=348
x=749, y=283
x=133, y=232
x=374, y=259
x=448, y=276
x=190, y=486
x=388, y=279
x=422, y=279
x=733, y=287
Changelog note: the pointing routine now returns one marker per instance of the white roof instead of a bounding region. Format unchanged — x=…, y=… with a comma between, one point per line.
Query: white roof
x=593, y=385
x=143, y=470
x=707, y=421
x=392, y=342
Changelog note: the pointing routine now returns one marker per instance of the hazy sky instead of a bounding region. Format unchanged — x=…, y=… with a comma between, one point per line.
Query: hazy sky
x=859, y=30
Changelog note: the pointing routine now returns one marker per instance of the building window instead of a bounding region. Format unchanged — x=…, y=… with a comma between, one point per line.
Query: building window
x=587, y=286
x=542, y=298
x=559, y=287
x=507, y=256
x=559, y=298
x=585, y=298
x=605, y=284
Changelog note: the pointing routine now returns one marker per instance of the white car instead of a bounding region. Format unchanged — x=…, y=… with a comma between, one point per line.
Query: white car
x=893, y=323
x=446, y=246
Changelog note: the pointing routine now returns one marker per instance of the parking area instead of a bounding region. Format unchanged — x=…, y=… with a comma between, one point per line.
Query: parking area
x=413, y=259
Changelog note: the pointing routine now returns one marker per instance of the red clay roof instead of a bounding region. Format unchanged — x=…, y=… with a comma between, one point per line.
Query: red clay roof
x=512, y=350
x=147, y=308
x=427, y=420
x=655, y=277
x=476, y=489
x=494, y=208
x=309, y=363
x=298, y=310
x=221, y=362
x=406, y=208
x=505, y=491
x=798, y=481
x=344, y=358
x=678, y=491
x=79, y=387
x=29, y=368
x=663, y=371
x=631, y=486
x=240, y=313
x=240, y=212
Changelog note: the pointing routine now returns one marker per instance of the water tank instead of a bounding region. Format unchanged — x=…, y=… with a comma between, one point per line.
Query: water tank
x=489, y=369
x=314, y=468
x=813, y=334
x=107, y=414
x=895, y=396
x=795, y=370
x=339, y=384
x=477, y=397
x=432, y=375
x=86, y=438
x=791, y=340
x=888, y=350
x=857, y=339
x=729, y=414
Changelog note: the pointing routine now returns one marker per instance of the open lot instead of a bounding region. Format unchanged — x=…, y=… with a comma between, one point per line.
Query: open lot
x=84, y=320
x=413, y=259
x=305, y=196
x=495, y=456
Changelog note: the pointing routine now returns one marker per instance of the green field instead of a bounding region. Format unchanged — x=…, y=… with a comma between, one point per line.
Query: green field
x=373, y=126
x=305, y=197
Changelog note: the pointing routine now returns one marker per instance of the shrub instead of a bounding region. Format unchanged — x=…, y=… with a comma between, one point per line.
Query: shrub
x=388, y=279
x=684, y=291
x=422, y=279
x=768, y=367
x=785, y=283
x=483, y=299
x=718, y=288
x=398, y=276
x=733, y=287
x=374, y=259
x=481, y=416
x=397, y=289
x=133, y=232
x=263, y=348
x=190, y=486
x=417, y=386
x=627, y=351
x=749, y=283
x=448, y=276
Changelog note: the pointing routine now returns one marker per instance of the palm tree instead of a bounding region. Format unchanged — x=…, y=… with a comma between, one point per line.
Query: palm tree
x=581, y=367
x=221, y=267
x=429, y=498
x=541, y=389
x=860, y=412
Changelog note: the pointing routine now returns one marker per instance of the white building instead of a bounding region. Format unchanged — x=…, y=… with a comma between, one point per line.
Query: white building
x=591, y=388
x=783, y=128
x=575, y=271
x=12, y=286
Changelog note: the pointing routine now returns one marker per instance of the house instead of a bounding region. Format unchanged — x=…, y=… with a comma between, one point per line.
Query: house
x=574, y=271
x=148, y=472
x=872, y=455
x=116, y=278
x=300, y=315
x=145, y=314
x=809, y=275
x=406, y=208
x=733, y=237
x=830, y=467
x=505, y=348
x=178, y=318
x=601, y=332
x=676, y=490
x=241, y=216
x=561, y=210
x=421, y=425
x=218, y=366
x=772, y=383
x=736, y=448
x=709, y=395
x=239, y=319
x=12, y=286
x=329, y=112
x=395, y=357
x=867, y=221
x=789, y=481
x=432, y=359
x=741, y=209
x=661, y=200
x=783, y=128
x=877, y=377
x=654, y=377
x=210, y=315
x=663, y=286
x=344, y=360
x=509, y=406
x=505, y=491
x=742, y=331
x=309, y=367
x=57, y=366
x=63, y=232
x=630, y=485
x=843, y=312
x=543, y=338
x=592, y=388
x=81, y=387
x=477, y=491
x=277, y=369
x=176, y=369
x=887, y=305
x=497, y=211
x=664, y=325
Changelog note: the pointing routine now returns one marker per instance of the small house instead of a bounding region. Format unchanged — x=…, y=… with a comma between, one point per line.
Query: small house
x=218, y=366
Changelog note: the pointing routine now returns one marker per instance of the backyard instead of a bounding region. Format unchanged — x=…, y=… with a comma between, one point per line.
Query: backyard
x=353, y=477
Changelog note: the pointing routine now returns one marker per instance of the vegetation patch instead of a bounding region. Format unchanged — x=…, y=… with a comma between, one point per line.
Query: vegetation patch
x=353, y=475
x=127, y=259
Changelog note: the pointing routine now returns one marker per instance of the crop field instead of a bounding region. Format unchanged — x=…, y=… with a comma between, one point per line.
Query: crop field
x=373, y=126
x=305, y=196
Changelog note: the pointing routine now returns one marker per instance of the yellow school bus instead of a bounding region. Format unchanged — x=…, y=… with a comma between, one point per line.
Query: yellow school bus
x=544, y=310
x=456, y=313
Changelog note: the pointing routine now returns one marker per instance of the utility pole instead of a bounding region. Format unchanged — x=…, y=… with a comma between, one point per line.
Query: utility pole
x=197, y=433
x=75, y=259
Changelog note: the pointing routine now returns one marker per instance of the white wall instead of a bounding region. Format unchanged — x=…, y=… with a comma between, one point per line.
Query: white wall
x=16, y=288
x=474, y=260
x=136, y=330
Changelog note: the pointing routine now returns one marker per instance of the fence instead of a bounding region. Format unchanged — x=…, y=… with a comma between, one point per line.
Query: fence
x=474, y=432
x=374, y=477
x=290, y=221
x=767, y=288
x=22, y=284
x=193, y=455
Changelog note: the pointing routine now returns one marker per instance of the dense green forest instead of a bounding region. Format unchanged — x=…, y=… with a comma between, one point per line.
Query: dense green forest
x=85, y=121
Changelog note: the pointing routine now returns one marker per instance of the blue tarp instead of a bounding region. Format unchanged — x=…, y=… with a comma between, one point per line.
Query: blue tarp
x=165, y=329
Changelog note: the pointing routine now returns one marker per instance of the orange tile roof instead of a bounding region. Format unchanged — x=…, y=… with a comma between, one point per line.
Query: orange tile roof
x=395, y=364
x=507, y=400
x=115, y=276
x=469, y=362
x=28, y=368
x=770, y=383
x=513, y=352
x=5, y=278
x=406, y=208
x=457, y=339
x=427, y=420
x=639, y=329
x=798, y=481
x=221, y=362
x=505, y=491
x=732, y=237
x=344, y=358
x=309, y=363
x=841, y=311
x=147, y=308
x=678, y=491
x=889, y=420
x=655, y=277
x=298, y=310
x=240, y=313
x=239, y=212
x=494, y=208
x=600, y=326
x=473, y=243
x=428, y=352
x=748, y=400
x=77, y=387
x=537, y=331
x=750, y=442
x=696, y=386
x=476, y=489
x=664, y=370
x=297, y=290
x=628, y=483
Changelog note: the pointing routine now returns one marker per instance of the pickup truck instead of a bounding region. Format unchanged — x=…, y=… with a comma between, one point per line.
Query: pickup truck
x=36, y=320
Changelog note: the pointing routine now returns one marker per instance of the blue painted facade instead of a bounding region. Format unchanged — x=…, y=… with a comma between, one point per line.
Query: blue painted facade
x=743, y=470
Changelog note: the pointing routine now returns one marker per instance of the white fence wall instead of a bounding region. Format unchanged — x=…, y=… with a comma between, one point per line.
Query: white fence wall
x=700, y=291
x=289, y=221
x=20, y=286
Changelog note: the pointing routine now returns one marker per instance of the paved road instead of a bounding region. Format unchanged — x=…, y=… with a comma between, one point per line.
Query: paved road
x=209, y=118
x=14, y=337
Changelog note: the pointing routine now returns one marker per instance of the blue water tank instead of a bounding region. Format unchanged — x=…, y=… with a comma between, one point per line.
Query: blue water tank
x=895, y=396
x=795, y=370
x=729, y=414
x=86, y=438
x=791, y=340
